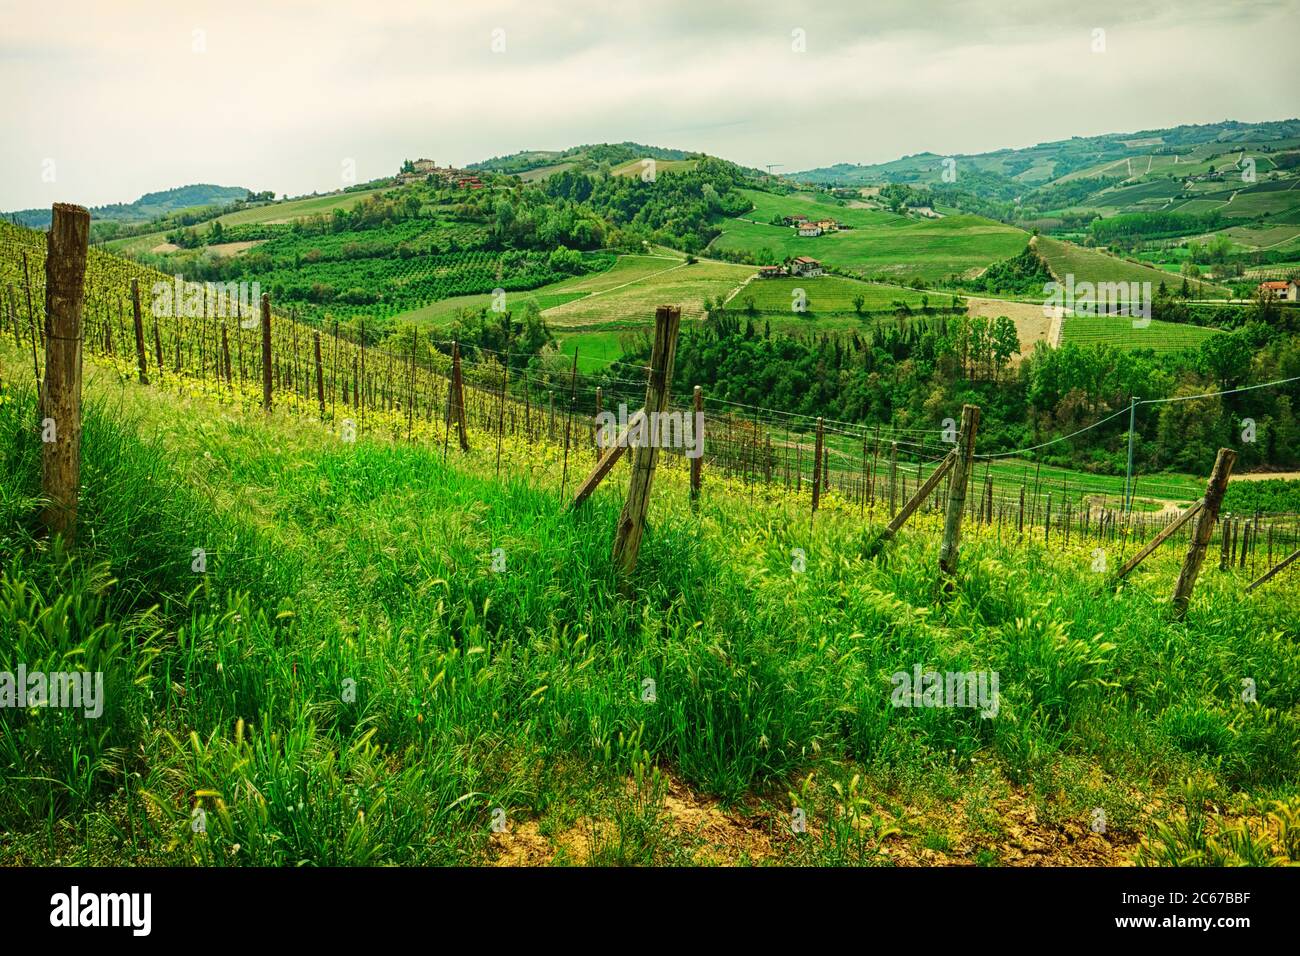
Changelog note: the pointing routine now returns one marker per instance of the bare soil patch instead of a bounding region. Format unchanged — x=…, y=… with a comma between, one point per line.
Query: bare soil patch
x=1032, y=326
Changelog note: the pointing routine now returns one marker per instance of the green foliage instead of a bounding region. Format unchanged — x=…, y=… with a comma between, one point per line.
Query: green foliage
x=677, y=208
x=1025, y=274
x=1267, y=496
x=1151, y=224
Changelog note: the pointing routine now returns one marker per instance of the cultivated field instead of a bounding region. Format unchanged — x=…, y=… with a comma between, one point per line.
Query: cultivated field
x=1118, y=331
x=1089, y=265
x=930, y=250
x=631, y=296
x=829, y=294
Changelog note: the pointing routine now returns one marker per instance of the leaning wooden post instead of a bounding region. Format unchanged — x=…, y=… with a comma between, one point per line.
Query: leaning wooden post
x=817, y=467
x=140, y=353
x=923, y=492
x=1203, y=529
x=949, y=550
x=697, y=463
x=631, y=524
x=60, y=400
x=1157, y=541
x=266, y=351
x=1270, y=574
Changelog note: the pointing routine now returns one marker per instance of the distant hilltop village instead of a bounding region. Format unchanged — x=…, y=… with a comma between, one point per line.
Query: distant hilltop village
x=420, y=169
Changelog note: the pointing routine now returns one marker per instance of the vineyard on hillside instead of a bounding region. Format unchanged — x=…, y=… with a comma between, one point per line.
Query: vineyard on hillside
x=401, y=388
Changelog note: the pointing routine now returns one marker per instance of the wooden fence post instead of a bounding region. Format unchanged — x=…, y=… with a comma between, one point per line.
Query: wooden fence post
x=817, y=467
x=631, y=523
x=501, y=415
x=1224, y=543
x=893, y=471
x=225, y=354
x=60, y=400
x=458, y=397
x=13, y=318
x=697, y=464
x=596, y=429
x=157, y=348
x=140, y=359
x=949, y=550
x=1203, y=529
x=320, y=372
x=266, y=351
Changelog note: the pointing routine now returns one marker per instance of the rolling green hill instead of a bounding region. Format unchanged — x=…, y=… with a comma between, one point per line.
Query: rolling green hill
x=880, y=245
x=538, y=163
x=282, y=212
x=1081, y=156
x=149, y=206
x=1091, y=265
x=1242, y=179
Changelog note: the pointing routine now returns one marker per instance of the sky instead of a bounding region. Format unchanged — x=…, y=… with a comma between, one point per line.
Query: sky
x=105, y=100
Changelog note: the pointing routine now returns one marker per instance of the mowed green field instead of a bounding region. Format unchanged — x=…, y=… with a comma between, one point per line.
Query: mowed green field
x=892, y=247
x=927, y=250
x=1090, y=265
x=445, y=311
x=1118, y=331
x=816, y=206
x=1266, y=238
x=595, y=349
x=626, y=269
x=828, y=294
x=629, y=294
x=594, y=312
x=637, y=166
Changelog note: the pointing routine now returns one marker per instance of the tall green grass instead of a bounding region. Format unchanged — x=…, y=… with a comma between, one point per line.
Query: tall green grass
x=351, y=682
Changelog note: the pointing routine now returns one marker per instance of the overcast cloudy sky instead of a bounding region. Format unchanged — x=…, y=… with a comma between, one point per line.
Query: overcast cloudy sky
x=130, y=96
